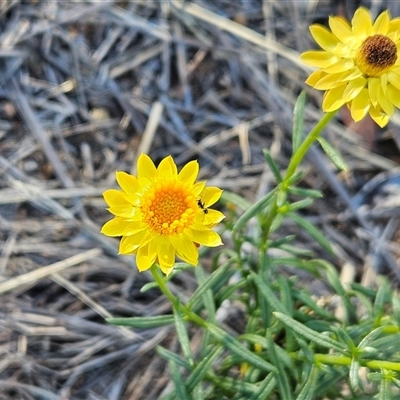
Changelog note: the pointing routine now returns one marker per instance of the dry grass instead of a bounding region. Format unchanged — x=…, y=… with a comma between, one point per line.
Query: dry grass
x=87, y=86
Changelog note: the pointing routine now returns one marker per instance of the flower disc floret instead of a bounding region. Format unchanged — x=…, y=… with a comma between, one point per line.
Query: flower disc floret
x=359, y=65
x=157, y=213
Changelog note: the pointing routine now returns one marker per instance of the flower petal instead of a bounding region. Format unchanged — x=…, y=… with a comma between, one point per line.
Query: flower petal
x=360, y=105
x=165, y=254
x=362, y=23
x=340, y=28
x=146, y=168
x=207, y=238
x=333, y=99
x=380, y=118
x=127, y=182
x=318, y=58
x=393, y=95
x=167, y=169
x=381, y=24
x=115, y=197
x=189, y=172
x=210, y=195
x=115, y=226
x=185, y=249
x=145, y=258
x=353, y=88
x=323, y=37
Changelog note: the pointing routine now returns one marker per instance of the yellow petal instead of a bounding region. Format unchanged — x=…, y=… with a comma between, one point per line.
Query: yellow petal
x=126, y=211
x=393, y=95
x=360, y=105
x=198, y=188
x=385, y=104
x=210, y=195
x=144, y=258
x=318, y=58
x=128, y=245
x=394, y=79
x=374, y=85
x=333, y=99
x=323, y=37
x=167, y=169
x=114, y=227
x=394, y=27
x=381, y=24
x=146, y=168
x=185, y=249
x=330, y=81
x=315, y=77
x=165, y=254
x=362, y=23
x=207, y=238
x=189, y=172
x=380, y=118
x=115, y=197
x=353, y=88
x=343, y=65
x=340, y=28
x=128, y=183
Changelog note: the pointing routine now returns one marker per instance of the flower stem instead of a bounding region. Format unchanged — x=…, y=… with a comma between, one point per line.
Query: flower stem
x=307, y=143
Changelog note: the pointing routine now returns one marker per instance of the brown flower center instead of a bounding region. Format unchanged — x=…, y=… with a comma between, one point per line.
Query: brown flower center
x=376, y=54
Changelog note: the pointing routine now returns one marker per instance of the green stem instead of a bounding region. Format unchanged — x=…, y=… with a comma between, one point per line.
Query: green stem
x=173, y=299
x=307, y=143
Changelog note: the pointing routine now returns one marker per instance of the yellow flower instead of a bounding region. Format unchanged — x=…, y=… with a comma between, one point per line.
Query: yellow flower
x=161, y=213
x=359, y=65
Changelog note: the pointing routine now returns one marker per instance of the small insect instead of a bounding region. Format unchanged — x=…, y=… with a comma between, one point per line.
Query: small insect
x=202, y=206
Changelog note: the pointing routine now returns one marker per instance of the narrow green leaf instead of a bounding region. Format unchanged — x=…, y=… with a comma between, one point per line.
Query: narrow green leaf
x=171, y=356
x=143, y=322
x=273, y=166
x=148, y=286
x=308, y=390
x=318, y=338
x=179, y=383
x=237, y=348
x=238, y=201
x=207, y=295
x=312, y=230
x=306, y=299
x=333, y=154
x=297, y=205
x=183, y=336
x=267, y=293
x=253, y=211
x=220, y=275
x=281, y=375
x=385, y=392
x=298, y=121
x=202, y=368
x=301, y=192
x=265, y=389
x=355, y=382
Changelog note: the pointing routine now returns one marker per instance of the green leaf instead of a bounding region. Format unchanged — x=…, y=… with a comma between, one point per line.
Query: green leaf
x=207, y=295
x=355, y=382
x=265, y=388
x=308, y=390
x=298, y=121
x=311, y=230
x=385, y=392
x=183, y=336
x=170, y=356
x=148, y=286
x=300, y=204
x=267, y=293
x=239, y=201
x=203, y=367
x=301, y=192
x=237, y=348
x=272, y=164
x=253, y=211
x=220, y=275
x=317, y=338
x=143, y=322
x=333, y=154
x=281, y=375
x=179, y=383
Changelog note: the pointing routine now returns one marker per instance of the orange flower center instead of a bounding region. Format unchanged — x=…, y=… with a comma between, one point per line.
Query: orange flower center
x=168, y=208
x=376, y=54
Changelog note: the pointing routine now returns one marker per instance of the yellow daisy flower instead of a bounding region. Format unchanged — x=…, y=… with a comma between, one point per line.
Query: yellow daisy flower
x=359, y=65
x=161, y=213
